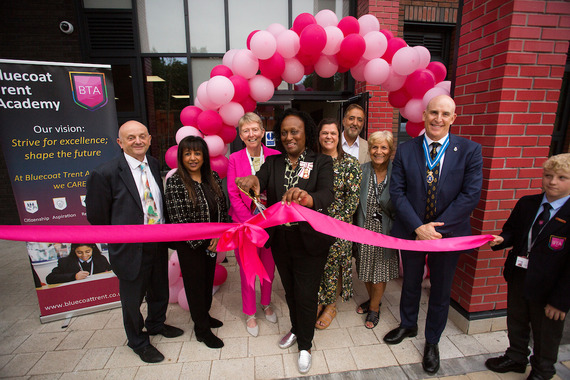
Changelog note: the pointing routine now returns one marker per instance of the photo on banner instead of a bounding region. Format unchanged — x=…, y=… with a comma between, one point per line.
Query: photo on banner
x=58, y=121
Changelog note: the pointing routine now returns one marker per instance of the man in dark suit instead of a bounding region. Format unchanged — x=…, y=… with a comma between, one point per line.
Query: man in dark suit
x=435, y=185
x=118, y=194
x=537, y=271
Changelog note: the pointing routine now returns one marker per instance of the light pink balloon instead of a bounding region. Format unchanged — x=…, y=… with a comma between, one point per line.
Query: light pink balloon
x=228, y=57
x=413, y=110
x=405, y=61
x=326, y=17
x=376, y=71
x=368, y=23
x=394, y=81
x=220, y=257
x=261, y=89
x=219, y=164
x=173, y=269
x=220, y=90
x=288, y=44
x=294, y=71
x=334, y=39
x=226, y=148
x=357, y=71
x=215, y=145
x=276, y=29
x=425, y=56
x=245, y=64
x=326, y=66
x=446, y=85
x=202, y=95
x=376, y=44
x=169, y=174
x=198, y=104
x=187, y=131
x=174, y=290
x=182, y=300
x=432, y=93
x=263, y=44
x=170, y=157
x=231, y=113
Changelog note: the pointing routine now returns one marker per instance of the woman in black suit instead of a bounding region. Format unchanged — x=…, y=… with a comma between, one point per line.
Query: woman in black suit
x=302, y=176
x=84, y=260
x=194, y=195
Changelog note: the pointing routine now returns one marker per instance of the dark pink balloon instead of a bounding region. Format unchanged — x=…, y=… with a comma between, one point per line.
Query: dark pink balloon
x=219, y=164
x=276, y=81
x=438, y=69
x=228, y=133
x=312, y=40
x=398, y=99
x=394, y=45
x=209, y=122
x=414, y=129
x=272, y=67
x=351, y=49
x=389, y=35
x=220, y=272
x=342, y=69
x=189, y=115
x=302, y=21
x=419, y=82
x=241, y=87
x=308, y=59
x=171, y=157
x=349, y=25
x=221, y=70
x=249, y=38
x=309, y=69
x=248, y=104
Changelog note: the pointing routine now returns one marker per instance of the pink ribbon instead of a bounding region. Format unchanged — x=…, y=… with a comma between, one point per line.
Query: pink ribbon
x=246, y=236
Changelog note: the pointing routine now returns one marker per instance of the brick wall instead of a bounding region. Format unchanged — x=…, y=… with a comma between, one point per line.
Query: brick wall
x=510, y=68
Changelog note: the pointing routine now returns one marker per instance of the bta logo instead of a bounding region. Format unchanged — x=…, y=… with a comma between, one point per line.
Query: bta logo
x=89, y=89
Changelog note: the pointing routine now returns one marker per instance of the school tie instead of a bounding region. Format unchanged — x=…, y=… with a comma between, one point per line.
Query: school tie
x=86, y=266
x=540, y=221
x=151, y=213
x=431, y=178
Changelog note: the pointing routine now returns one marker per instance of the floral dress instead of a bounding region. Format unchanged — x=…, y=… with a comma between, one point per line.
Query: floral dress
x=346, y=181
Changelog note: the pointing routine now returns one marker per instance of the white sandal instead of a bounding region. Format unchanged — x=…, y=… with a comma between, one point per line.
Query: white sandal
x=253, y=331
x=272, y=317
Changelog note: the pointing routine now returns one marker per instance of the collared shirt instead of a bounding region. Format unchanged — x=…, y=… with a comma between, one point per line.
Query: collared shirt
x=440, y=141
x=556, y=205
x=353, y=149
x=135, y=166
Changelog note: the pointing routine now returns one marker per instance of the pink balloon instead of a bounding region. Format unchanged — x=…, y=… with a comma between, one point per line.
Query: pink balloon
x=263, y=44
x=169, y=174
x=215, y=145
x=171, y=157
x=276, y=82
x=419, y=82
x=326, y=66
x=398, y=99
x=438, y=69
x=202, y=96
x=432, y=93
x=357, y=71
x=302, y=21
x=308, y=59
x=394, y=81
x=231, y=113
x=425, y=56
x=394, y=44
x=308, y=69
x=376, y=45
x=174, y=289
x=334, y=39
x=272, y=67
x=209, y=122
x=413, y=110
x=220, y=257
x=219, y=164
x=288, y=44
x=241, y=88
x=312, y=39
x=389, y=35
x=276, y=29
x=220, y=90
x=229, y=57
x=249, y=37
x=245, y=63
x=446, y=85
x=326, y=17
x=198, y=104
x=182, y=300
x=405, y=61
x=376, y=71
x=261, y=88
x=220, y=275
x=351, y=49
x=249, y=105
x=221, y=70
x=228, y=134
x=414, y=129
x=173, y=271
x=189, y=115
x=294, y=71
x=226, y=148
x=187, y=131
x=368, y=23
x=349, y=25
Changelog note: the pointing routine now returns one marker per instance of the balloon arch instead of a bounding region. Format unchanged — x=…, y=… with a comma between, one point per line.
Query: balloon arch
x=320, y=44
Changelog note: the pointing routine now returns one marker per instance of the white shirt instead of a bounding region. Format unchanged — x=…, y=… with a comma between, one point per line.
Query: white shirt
x=135, y=166
x=352, y=150
x=440, y=141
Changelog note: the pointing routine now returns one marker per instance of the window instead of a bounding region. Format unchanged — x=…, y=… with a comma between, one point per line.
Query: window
x=161, y=26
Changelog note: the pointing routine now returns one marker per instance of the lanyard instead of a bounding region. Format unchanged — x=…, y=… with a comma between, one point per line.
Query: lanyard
x=376, y=186
x=81, y=268
x=250, y=160
x=432, y=163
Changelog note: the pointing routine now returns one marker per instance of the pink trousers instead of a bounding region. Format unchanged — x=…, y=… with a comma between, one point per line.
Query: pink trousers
x=248, y=293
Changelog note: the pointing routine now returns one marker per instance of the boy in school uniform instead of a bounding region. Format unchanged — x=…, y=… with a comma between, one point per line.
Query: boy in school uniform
x=537, y=271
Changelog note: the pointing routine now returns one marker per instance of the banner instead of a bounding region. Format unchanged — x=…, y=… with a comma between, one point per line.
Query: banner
x=57, y=122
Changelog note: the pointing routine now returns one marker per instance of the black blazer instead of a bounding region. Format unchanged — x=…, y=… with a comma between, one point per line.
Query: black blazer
x=319, y=185
x=68, y=266
x=112, y=198
x=548, y=274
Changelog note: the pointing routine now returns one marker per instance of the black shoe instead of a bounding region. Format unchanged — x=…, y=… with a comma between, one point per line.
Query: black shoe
x=399, y=333
x=215, y=323
x=168, y=331
x=210, y=340
x=431, y=358
x=149, y=354
x=504, y=364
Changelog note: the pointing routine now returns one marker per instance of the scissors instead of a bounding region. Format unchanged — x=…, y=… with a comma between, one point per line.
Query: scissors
x=255, y=199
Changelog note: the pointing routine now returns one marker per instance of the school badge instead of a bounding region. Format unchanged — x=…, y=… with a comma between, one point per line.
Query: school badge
x=556, y=243
x=60, y=203
x=31, y=206
x=89, y=90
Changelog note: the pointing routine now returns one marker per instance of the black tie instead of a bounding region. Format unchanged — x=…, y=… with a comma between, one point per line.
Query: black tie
x=86, y=266
x=431, y=177
x=540, y=221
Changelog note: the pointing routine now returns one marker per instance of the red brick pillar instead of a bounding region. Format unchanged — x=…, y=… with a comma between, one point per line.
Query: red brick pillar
x=509, y=73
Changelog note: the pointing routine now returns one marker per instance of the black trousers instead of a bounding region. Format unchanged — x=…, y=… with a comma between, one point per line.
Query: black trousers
x=442, y=270
x=197, y=269
x=301, y=276
x=151, y=282
x=522, y=317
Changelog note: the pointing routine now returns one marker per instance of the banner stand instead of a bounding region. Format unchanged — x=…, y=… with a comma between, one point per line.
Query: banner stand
x=78, y=312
